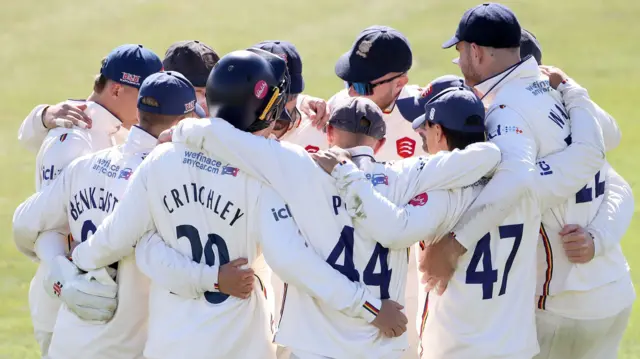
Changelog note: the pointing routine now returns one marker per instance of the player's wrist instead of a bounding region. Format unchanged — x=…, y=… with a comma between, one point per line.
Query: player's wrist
x=43, y=117
x=209, y=279
x=370, y=307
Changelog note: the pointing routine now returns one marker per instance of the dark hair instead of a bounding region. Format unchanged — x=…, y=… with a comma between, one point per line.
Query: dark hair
x=148, y=119
x=459, y=139
x=100, y=82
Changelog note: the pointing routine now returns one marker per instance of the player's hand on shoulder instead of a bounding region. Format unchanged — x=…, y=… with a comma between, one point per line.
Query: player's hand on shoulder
x=66, y=115
x=329, y=159
x=166, y=135
x=556, y=75
x=234, y=280
x=577, y=243
x=438, y=261
x=91, y=296
x=316, y=109
x=391, y=321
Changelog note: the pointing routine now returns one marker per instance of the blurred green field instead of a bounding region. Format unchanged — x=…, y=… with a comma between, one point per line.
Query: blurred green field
x=52, y=49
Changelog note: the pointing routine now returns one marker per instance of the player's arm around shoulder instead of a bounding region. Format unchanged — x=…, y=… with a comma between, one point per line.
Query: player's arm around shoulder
x=276, y=163
x=45, y=210
x=170, y=269
x=296, y=263
x=60, y=148
x=448, y=169
x=513, y=178
x=614, y=214
x=32, y=130
x=119, y=232
x=563, y=173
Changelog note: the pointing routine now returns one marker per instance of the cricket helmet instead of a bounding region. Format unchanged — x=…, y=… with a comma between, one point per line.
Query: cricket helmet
x=248, y=88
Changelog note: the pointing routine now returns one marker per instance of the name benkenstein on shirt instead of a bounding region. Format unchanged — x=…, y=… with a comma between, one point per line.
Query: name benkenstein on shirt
x=194, y=194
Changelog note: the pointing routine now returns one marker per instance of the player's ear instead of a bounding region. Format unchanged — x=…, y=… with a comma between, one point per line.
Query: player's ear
x=115, y=89
x=379, y=144
x=330, y=134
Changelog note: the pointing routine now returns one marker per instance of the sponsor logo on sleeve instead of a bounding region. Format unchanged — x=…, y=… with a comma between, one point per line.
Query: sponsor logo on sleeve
x=228, y=170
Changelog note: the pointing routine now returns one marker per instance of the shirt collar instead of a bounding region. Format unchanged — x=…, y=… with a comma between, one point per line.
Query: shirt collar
x=139, y=140
x=488, y=88
x=361, y=155
x=104, y=122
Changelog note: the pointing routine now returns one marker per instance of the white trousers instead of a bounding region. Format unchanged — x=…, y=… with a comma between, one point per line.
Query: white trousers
x=44, y=340
x=564, y=338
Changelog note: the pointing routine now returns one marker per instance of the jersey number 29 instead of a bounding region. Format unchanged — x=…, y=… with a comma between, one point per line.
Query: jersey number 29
x=191, y=233
x=348, y=268
x=487, y=276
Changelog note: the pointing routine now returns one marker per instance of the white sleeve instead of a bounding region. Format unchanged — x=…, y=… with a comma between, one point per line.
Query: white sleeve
x=32, y=131
x=170, y=269
x=447, y=170
x=513, y=178
x=43, y=211
x=51, y=244
x=295, y=262
x=119, y=232
x=610, y=130
x=563, y=173
x=60, y=153
x=614, y=215
x=393, y=226
x=278, y=164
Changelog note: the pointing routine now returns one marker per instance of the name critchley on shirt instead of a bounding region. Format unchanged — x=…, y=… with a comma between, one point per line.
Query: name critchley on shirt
x=194, y=194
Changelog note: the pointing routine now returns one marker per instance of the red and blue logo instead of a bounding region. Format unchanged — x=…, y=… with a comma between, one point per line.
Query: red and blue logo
x=228, y=170
x=379, y=178
x=125, y=174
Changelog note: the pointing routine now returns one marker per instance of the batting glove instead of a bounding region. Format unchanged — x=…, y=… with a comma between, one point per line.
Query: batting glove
x=91, y=296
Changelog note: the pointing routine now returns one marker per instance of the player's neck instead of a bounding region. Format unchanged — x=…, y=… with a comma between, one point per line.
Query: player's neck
x=102, y=101
x=501, y=64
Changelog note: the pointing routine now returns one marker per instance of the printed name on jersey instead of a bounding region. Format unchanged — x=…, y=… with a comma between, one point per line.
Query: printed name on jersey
x=545, y=169
x=92, y=198
x=282, y=213
x=539, y=87
x=405, y=147
x=378, y=178
x=201, y=162
x=558, y=115
x=419, y=200
x=311, y=149
x=193, y=193
x=504, y=130
x=50, y=173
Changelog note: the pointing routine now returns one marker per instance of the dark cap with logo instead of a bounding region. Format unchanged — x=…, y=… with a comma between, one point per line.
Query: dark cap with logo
x=168, y=93
x=191, y=58
x=412, y=107
x=457, y=109
x=288, y=52
x=490, y=24
x=377, y=51
x=358, y=115
x=130, y=65
x=529, y=45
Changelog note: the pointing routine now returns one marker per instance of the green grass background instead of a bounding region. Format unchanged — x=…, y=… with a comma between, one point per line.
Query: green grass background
x=50, y=51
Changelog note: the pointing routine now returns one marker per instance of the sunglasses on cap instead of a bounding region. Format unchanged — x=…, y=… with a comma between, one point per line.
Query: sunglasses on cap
x=366, y=88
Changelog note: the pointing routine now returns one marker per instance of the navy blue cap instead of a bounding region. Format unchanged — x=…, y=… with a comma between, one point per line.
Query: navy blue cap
x=377, y=51
x=412, y=107
x=168, y=93
x=490, y=24
x=529, y=45
x=130, y=65
x=191, y=58
x=457, y=109
x=358, y=115
x=290, y=55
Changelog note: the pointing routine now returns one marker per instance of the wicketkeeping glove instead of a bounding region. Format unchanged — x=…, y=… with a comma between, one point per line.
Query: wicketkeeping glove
x=91, y=296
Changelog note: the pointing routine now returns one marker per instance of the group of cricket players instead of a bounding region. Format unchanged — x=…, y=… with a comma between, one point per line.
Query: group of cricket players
x=205, y=207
